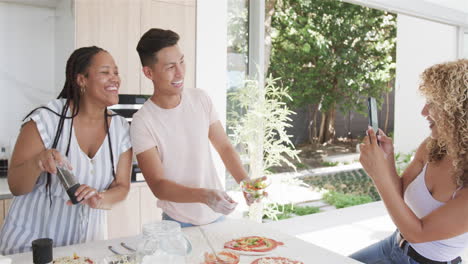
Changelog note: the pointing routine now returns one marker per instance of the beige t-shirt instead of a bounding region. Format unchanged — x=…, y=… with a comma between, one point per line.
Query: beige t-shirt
x=180, y=135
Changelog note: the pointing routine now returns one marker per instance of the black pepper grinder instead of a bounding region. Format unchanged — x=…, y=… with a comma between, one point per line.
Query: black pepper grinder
x=69, y=182
x=42, y=251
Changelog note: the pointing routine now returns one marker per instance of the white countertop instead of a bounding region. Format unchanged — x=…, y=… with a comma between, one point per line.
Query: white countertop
x=217, y=234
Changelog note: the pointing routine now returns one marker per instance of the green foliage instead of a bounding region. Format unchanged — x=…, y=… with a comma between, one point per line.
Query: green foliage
x=305, y=210
x=261, y=125
x=332, y=53
x=341, y=200
x=402, y=160
x=391, y=135
x=238, y=26
x=301, y=166
x=352, y=182
x=330, y=163
x=288, y=210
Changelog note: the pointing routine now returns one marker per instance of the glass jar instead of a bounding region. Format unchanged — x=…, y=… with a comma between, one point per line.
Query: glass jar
x=163, y=242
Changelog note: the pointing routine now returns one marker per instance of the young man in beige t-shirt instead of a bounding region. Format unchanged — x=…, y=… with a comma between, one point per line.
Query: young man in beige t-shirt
x=171, y=137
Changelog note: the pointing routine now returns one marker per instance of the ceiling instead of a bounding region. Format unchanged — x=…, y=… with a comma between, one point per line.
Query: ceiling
x=38, y=3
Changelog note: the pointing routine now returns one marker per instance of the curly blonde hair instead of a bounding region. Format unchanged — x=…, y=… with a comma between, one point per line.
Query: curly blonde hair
x=446, y=88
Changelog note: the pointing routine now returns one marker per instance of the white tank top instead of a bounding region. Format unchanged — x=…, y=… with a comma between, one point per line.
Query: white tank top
x=421, y=202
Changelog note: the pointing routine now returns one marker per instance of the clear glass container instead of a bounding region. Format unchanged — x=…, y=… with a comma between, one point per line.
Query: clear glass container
x=163, y=242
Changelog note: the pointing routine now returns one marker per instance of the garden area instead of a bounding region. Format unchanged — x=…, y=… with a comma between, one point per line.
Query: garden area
x=324, y=59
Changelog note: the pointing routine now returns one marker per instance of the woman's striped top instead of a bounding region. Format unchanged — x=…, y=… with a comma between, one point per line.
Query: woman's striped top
x=32, y=216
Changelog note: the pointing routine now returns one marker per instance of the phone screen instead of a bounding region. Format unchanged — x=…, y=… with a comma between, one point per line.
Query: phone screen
x=373, y=120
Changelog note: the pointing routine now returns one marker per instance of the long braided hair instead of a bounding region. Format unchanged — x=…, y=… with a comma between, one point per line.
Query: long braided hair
x=78, y=63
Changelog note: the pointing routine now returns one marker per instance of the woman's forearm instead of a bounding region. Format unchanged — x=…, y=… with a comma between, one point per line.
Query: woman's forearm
x=23, y=177
x=406, y=221
x=389, y=174
x=396, y=179
x=113, y=195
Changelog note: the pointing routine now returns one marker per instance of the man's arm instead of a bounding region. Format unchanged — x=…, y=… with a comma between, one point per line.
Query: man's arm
x=164, y=189
x=226, y=151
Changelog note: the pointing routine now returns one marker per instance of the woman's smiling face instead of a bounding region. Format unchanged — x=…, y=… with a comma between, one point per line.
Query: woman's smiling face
x=102, y=80
x=430, y=113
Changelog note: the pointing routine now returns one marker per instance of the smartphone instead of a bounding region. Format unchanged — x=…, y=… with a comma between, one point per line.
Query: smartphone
x=373, y=119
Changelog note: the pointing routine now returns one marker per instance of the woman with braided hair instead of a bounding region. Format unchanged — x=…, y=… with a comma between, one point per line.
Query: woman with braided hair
x=429, y=202
x=74, y=130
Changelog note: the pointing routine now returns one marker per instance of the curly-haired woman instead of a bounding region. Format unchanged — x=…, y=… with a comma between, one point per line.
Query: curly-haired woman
x=429, y=202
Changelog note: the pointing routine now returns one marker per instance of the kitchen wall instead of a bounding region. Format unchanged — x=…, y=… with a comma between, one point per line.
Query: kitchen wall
x=211, y=73
x=421, y=43
x=27, y=52
x=64, y=40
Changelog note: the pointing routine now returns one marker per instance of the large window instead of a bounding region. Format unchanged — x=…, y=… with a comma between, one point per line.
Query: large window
x=237, y=58
x=238, y=47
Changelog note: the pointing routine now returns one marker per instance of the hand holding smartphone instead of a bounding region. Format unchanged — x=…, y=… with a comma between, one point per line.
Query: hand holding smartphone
x=373, y=119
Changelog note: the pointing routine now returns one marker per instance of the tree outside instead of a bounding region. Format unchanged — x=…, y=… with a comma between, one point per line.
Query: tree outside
x=329, y=56
x=332, y=55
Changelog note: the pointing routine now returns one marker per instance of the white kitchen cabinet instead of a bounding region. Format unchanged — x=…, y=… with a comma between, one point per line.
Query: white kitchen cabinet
x=124, y=218
x=4, y=207
x=117, y=25
x=113, y=25
x=128, y=217
x=149, y=211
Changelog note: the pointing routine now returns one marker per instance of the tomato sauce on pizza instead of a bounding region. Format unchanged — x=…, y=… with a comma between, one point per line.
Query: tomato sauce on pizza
x=253, y=244
x=276, y=260
x=223, y=257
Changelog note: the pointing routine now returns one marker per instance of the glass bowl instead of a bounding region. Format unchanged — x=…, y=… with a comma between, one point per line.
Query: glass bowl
x=256, y=187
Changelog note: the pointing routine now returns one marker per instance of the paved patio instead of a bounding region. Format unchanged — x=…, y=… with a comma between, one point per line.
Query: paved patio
x=343, y=231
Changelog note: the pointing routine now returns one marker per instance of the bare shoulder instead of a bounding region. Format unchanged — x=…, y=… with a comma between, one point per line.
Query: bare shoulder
x=29, y=133
x=422, y=153
x=29, y=126
x=28, y=144
x=416, y=165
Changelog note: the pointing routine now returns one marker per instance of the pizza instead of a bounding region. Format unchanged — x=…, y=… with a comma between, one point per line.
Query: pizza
x=276, y=260
x=224, y=256
x=120, y=259
x=73, y=260
x=253, y=244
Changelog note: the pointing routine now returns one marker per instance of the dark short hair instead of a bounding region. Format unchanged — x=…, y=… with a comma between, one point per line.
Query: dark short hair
x=153, y=41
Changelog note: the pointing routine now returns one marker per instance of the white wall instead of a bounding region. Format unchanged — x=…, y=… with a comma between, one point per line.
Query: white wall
x=465, y=45
x=64, y=40
x=211, y=50
x=420, y=44
x=451, y=12
x=27, y=64
x=461, y=5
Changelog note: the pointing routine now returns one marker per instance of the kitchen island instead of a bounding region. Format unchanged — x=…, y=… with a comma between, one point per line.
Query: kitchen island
x=216, y=234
